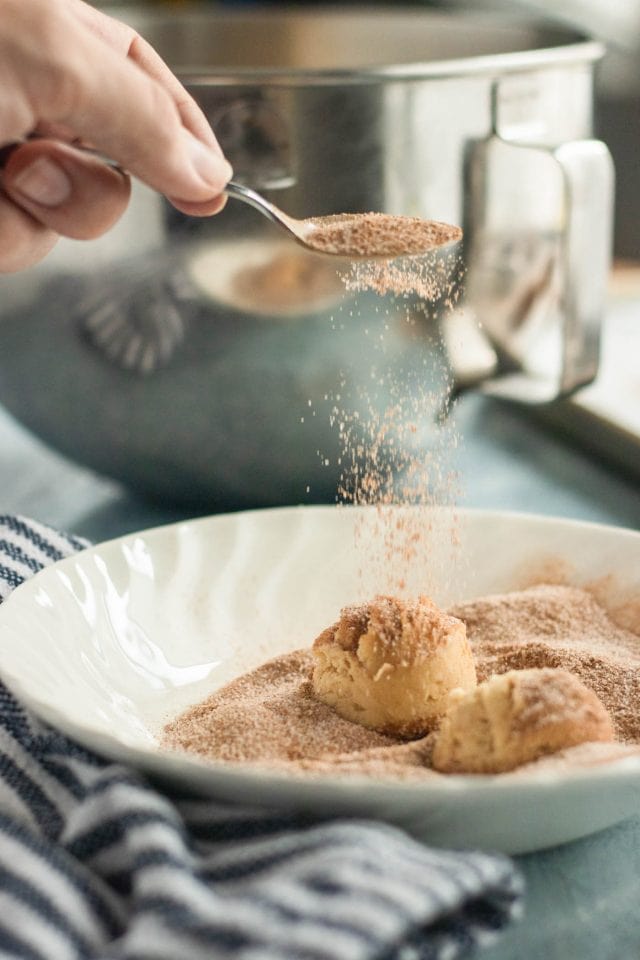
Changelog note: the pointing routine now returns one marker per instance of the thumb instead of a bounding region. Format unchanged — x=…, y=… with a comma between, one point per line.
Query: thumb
x=71, y=192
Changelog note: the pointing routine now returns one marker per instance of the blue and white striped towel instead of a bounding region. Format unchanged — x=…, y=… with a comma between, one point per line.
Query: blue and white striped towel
x=96, y=863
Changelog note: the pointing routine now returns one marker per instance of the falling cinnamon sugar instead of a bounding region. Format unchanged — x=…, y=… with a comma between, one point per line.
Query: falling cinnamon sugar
x=433, y=277
x=270, y=716
x=398, y=437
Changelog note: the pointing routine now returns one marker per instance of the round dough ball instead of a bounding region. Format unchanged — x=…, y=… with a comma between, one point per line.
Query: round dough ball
x=391, y=664
x=516, y=717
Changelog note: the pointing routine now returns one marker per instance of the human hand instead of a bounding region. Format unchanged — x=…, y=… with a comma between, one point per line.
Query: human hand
x=70, y=75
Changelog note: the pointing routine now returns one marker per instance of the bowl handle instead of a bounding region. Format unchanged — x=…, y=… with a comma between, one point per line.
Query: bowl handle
x=588, y=176
x=539, y=229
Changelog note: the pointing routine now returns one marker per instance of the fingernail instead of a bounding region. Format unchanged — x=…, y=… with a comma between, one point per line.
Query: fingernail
x=43, y=182
x=210, y=166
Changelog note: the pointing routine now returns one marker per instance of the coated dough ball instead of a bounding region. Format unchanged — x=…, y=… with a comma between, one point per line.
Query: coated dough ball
x=516, y=717
x=391, y=664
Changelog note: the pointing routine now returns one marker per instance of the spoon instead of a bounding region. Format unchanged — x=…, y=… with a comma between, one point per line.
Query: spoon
x=354, y=235
x=362, y=236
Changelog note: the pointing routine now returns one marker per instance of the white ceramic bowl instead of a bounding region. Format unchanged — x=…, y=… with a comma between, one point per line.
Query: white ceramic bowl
x=111, y=643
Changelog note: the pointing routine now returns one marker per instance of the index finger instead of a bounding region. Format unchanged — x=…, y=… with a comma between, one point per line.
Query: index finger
x=125, y=40
x=70, y=75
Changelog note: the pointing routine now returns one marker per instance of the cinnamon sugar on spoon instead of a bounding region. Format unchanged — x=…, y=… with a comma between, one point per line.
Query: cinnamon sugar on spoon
x=354, y=235
x=376, y=235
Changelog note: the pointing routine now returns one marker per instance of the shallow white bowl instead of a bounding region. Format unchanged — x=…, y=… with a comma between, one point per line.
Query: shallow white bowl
x=111, y=643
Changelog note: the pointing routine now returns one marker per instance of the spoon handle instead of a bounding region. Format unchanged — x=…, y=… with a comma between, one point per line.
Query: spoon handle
x=267, y=209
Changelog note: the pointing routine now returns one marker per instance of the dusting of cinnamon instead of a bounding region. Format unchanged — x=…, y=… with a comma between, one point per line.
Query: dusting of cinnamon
x=397, y=448
x=270, y=714
x=271, y=717
x=391, y=665
x=559, y=626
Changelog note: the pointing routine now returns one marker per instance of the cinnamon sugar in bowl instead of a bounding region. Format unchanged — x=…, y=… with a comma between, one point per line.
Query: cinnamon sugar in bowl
x=127, y=635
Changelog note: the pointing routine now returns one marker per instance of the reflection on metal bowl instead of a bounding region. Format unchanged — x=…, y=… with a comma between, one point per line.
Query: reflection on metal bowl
x=264, y=278
x=195, y=401
x=198, y=361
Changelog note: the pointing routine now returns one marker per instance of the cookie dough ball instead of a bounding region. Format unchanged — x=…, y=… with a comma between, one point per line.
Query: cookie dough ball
x=391, y=665
x=516, y=717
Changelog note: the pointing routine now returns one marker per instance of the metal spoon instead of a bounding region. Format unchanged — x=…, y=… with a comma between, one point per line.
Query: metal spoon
x=354, y=236
x=361, y=236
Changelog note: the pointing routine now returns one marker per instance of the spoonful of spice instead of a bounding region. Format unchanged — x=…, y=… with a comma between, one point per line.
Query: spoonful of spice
x=355, y=235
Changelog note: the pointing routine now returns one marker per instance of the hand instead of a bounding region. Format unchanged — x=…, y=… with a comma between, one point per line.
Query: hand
x=70, y=75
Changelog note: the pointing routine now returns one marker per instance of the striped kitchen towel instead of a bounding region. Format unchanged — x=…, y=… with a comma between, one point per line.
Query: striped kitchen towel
x=97, y=863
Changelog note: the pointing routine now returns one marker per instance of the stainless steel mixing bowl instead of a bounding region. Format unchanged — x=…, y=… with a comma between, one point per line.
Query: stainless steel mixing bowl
x=205, y=363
